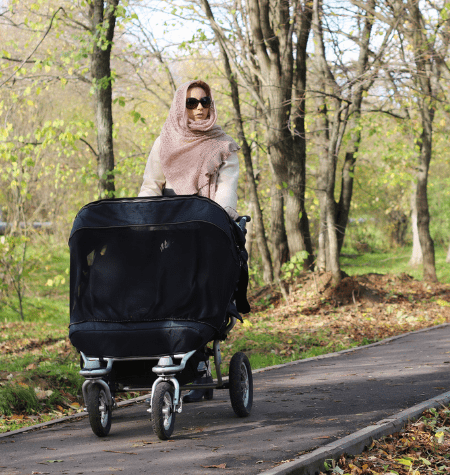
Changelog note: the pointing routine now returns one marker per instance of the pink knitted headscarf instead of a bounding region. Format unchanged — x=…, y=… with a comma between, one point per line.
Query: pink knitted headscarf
x=192, y=151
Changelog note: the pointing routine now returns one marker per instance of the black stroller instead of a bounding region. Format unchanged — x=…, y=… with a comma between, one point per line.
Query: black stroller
x=152, y=282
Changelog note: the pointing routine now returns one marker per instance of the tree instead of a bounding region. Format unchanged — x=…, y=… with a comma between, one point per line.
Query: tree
x=338, y=96
x=423, y=50
x=425, y=79
x=103, y=18
x=254, y=200
x=266, y=45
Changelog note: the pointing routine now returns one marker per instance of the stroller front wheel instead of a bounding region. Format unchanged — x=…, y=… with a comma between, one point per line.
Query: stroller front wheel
x=241, y=384
x=163, y=413
x=99, y=411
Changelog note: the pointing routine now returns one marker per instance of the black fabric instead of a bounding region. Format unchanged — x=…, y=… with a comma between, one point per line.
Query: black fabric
x=241, y=290
x=151, y=276
x=154, y=338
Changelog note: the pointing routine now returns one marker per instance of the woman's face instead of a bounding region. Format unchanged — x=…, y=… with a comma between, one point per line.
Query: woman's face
x=199, y=113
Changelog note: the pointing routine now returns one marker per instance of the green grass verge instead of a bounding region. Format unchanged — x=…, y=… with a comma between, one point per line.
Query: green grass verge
x=394, y=262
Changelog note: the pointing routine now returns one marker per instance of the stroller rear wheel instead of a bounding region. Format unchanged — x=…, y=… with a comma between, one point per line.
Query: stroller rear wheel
x=99, y=410
x=241, y=384
x=163, y=413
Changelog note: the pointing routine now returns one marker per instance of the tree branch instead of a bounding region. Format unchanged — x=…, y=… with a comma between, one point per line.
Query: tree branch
x=90, y=146
x=37, y=46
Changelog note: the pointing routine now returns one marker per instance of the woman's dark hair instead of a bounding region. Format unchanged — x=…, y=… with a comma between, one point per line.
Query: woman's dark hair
x=201, y=84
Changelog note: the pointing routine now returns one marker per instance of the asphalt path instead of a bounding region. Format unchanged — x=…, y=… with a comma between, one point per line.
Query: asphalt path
x=297, y=408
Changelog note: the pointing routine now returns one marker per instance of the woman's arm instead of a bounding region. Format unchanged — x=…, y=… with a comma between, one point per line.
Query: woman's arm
x=154, y=178
x=227, y=183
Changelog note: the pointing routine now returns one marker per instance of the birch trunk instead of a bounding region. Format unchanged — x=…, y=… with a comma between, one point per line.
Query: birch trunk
x=416, y=255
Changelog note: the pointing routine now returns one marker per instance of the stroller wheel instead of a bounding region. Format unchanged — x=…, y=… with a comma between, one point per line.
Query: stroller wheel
x=163, y=414
x=241, y=384
x=99, y=411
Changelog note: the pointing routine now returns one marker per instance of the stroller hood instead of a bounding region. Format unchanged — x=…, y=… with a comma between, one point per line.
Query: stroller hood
x=152, y=276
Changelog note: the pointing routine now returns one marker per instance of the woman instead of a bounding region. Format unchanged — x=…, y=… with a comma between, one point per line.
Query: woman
x=193, y=155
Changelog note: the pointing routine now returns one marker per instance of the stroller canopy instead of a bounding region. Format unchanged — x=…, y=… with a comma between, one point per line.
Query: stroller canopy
x=152, y=276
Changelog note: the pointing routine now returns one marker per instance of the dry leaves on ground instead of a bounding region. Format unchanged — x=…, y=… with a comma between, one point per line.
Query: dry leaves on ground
x=421, y=448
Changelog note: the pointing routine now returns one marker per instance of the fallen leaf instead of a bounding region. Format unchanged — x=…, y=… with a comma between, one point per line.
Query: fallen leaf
x=222, y=465
x=54, y=461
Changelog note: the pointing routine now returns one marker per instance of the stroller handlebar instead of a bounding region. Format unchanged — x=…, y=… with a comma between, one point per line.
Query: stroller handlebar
x=242, y=221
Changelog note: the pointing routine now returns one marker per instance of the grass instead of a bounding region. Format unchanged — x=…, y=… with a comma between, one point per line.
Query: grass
x=394, y=262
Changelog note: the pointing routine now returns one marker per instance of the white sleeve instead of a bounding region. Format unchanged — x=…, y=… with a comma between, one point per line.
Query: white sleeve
x=227, y=183
x=154, y=178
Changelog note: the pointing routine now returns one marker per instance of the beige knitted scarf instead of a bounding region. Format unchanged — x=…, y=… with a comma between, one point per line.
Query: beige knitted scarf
x=192, y=151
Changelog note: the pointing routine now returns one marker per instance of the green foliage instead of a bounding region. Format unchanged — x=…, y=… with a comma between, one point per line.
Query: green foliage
x=293, y=268
x=46, y=271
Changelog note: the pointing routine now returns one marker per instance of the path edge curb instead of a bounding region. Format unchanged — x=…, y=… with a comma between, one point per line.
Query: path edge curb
x=351, y=350
x=353, y=444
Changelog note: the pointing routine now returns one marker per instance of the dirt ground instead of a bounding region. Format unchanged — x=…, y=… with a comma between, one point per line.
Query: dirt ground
x=366, y=307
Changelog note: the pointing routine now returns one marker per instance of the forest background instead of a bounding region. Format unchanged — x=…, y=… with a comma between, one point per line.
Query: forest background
x=341, y=110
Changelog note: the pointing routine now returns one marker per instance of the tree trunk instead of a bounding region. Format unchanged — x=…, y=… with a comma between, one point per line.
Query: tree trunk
x=423, y=214
x=273, y=42
x=246, y=150
x=330, y=132
x=427, y=107
x=330, y=143
x=362, y=66
x=280, y=249
x=416, y=255
x=103, y=16
x=448, y=256
x=322, y=139
x=333, y=247
x=345, y=199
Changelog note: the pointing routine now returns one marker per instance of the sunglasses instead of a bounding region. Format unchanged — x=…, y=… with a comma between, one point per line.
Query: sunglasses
x=192, y=102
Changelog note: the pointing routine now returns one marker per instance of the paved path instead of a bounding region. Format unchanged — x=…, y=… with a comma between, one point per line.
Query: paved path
x=297, y=407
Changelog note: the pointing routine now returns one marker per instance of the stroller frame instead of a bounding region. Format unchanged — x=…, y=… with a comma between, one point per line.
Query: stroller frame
x=163, y=415
x=165, y=369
